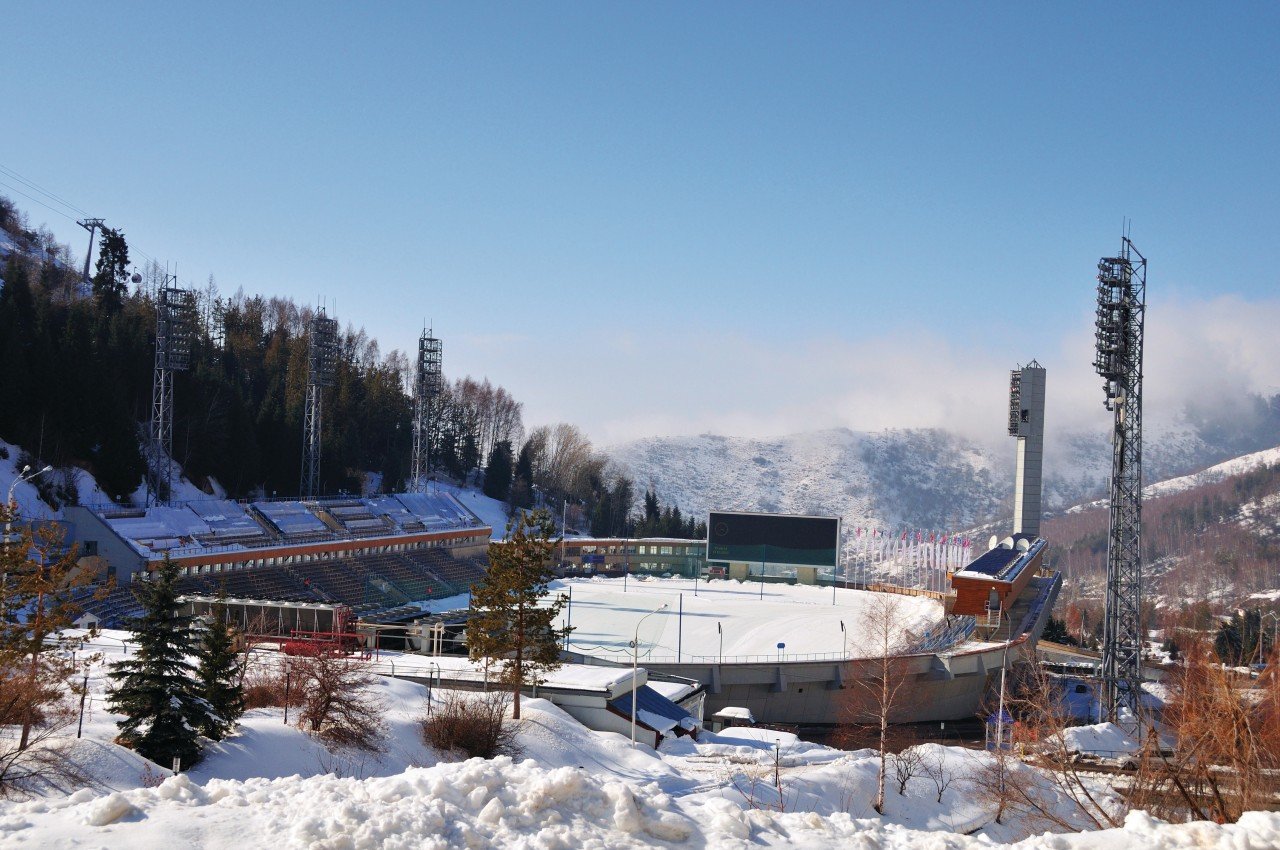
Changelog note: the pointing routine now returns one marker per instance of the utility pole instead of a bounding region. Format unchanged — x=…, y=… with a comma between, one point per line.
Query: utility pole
x=91, y=225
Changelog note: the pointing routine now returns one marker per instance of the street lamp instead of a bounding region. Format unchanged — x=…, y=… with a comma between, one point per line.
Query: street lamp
x=25, y=475
x=720, y=632
x=11, y=508
x=844, y=638
x=635, y=667
x=429, y=690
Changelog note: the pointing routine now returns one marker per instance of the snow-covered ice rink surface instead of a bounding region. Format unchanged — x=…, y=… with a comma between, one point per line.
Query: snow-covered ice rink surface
x=803, y=617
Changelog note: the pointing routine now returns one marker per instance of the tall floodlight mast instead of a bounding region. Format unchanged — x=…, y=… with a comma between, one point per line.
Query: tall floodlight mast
x=322, y=359
x=1122, y=297
x=175, y=313
x=426, y=391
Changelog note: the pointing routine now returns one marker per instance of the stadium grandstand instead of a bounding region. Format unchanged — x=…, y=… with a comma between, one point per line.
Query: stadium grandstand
x=371, y=555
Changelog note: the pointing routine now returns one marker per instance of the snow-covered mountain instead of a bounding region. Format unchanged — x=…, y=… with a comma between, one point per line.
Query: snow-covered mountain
x=925, y=478
x=928, y=478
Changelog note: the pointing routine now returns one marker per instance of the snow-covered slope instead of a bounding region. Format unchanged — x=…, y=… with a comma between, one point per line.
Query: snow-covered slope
x=929, y=478
x=571, y=787
x=923, y=478
x=1215, y=473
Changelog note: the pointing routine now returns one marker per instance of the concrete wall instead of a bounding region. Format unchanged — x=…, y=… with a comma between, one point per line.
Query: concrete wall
x=86, y=527
x=938, y=687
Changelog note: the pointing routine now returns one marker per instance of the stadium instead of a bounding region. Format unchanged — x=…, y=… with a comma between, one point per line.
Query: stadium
x=780, y=615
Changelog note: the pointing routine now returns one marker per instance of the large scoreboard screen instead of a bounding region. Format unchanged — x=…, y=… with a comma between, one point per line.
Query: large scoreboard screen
x=785, y=539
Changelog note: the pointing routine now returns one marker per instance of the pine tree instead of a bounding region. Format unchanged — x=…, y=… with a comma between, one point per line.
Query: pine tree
x=111, y=270
x=154, y=689
x=218, y=674
x=512, y=620
x=497, y=473
x=522, y=480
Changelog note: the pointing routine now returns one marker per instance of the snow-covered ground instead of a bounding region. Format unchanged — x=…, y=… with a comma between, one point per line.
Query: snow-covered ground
x=24, y=492
x=803, y=617
x=492, y=512
x=570, y=787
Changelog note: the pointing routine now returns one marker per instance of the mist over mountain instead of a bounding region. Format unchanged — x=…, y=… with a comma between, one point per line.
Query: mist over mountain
x=925, y=477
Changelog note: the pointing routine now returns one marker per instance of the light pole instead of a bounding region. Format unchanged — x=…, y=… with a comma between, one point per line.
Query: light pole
x=429, y=691
x=25, y=475
x=844, y=641
x=564, y=528
x=635, y=668
x=720, y=632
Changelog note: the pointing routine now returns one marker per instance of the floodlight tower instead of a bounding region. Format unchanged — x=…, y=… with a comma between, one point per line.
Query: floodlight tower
x=322, y=357
x=1026, y=422
x=1122, y=297
x=426, y=389
x=175, y=309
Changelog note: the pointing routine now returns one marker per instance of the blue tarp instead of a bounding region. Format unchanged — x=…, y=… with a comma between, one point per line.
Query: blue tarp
x=654, y=711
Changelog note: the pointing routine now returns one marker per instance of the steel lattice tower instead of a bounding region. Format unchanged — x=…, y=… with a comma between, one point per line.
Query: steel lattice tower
x=1122, y=295
x=174, y=321
x=426, y=390
x=322, y=356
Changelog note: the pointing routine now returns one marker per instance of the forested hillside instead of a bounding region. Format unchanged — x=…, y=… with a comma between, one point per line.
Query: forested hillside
x=77, y=375
x=1211, y=547
x=76, y=365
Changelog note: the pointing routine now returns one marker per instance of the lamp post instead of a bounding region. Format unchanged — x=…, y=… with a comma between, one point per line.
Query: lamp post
x=844, y=641
x=635, y=668
x=25, y=475
x=720, y=632
x=429, y=690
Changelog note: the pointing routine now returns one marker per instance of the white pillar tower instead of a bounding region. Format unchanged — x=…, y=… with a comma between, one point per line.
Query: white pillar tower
x=1026, y=422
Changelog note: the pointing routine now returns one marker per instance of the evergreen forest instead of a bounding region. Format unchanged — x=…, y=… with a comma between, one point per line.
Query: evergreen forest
x=76, y=367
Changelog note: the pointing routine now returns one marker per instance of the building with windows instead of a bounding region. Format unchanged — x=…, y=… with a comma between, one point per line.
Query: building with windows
x=648, y=556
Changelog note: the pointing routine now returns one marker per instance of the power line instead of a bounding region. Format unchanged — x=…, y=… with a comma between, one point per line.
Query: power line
x=14, y=175
x=36, y=200
x=33, y=185
x=6, y=171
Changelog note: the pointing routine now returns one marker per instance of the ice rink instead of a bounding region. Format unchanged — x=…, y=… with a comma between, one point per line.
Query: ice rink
x=803, y=617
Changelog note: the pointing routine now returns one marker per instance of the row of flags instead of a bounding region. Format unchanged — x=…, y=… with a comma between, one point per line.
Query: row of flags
x=942, y=537
x=906, y=557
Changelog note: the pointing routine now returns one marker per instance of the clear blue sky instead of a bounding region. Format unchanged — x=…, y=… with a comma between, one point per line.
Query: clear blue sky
x=671, y=198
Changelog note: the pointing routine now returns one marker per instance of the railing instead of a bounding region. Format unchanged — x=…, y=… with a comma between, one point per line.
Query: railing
x=946, y=635
x=624, y=655
x=880, y=587
x=1049, y=592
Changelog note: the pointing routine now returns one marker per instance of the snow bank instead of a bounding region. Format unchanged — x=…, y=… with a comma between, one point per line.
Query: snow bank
x=502, y=803
x=477, y=803
x=1103, y=739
